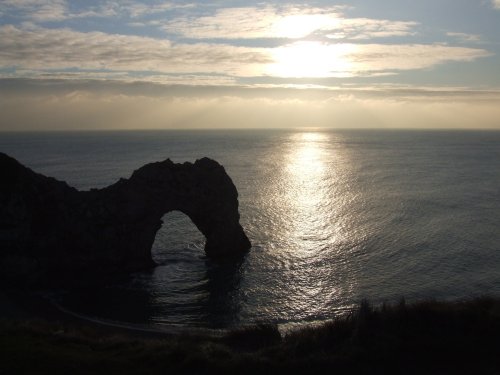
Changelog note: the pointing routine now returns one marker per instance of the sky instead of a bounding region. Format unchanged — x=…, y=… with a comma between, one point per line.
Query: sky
x=86, y=65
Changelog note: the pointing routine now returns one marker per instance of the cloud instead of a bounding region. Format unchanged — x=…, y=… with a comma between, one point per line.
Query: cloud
x=314, y=59
x=380, y=57
x=138, y=9
x=58, y=50
x=269, y=21
x=124, y=77
x=63, y=105
x=464, y=37
x=64, y=48
x=61, y=86
x=39, y=10
x=284, y=22
x=54, y=10
x=58, y=10
x=366, y=28
x=496, y=4
x=255, y=22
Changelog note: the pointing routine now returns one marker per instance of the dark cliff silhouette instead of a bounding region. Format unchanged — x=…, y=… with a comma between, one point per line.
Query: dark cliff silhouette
x=51, y=233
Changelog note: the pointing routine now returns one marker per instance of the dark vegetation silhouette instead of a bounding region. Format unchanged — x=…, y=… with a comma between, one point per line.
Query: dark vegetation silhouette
x=423, y=338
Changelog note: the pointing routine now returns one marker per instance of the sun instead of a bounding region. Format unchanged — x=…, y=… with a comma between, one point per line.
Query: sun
x=312, y=60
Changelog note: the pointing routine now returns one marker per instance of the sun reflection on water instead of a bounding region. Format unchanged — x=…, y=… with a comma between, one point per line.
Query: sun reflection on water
x=307, y=241
x=306, y=158
x=308, y=189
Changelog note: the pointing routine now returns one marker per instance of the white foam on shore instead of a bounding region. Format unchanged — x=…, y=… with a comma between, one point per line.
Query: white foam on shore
x=141, y=328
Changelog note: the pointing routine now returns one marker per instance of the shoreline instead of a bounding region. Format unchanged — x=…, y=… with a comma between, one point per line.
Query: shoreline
x=18, y=305
x=21, y=305
x=140, y=328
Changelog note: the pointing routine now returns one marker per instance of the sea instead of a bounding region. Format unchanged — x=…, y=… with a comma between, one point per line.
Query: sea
x=334, y=217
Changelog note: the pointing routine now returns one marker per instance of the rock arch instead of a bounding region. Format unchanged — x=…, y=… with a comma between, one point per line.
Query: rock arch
x=53, y=233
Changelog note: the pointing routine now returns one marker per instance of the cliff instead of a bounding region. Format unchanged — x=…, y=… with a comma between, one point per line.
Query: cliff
x=53, y=234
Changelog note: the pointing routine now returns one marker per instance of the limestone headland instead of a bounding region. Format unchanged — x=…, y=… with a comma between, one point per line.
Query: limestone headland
x=53, y=234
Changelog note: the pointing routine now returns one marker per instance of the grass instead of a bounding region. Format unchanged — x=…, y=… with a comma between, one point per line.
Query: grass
x=423, y=338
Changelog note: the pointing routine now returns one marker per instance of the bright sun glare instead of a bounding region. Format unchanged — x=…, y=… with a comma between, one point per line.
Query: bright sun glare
x=311, y=59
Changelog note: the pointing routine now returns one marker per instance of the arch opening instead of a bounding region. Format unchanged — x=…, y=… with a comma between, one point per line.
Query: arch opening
x=178, y=237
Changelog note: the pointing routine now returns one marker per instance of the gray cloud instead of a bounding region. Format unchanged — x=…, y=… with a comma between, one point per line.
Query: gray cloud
x=378, y=57
x=137, y=9
x=64, y=104
x=63, y=48
x=466, y=38
x=59, y=10
x=366, y=28
x=55, y=10
x=60, y=87
x=50, y=10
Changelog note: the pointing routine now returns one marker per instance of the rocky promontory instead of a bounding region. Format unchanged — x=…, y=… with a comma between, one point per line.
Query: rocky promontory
x=53, y=234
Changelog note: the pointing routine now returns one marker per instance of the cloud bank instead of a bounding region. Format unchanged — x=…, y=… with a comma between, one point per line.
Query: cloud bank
x=92, y=105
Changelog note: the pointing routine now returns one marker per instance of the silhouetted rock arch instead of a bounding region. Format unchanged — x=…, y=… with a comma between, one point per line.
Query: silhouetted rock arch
x=52, y=233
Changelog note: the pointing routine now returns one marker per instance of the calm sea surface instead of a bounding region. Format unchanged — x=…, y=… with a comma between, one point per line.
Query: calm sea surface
x=333, y=216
